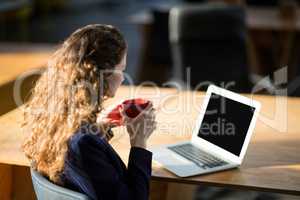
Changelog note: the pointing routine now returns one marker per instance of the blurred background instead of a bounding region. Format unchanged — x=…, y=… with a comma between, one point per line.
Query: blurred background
x=249, y=42
x=267, y=42
x=245, y=39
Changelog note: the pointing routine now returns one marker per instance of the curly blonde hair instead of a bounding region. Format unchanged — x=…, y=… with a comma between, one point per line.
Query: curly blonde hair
x=68, y=93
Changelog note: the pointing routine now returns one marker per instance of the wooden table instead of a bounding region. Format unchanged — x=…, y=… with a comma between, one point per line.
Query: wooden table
x=14, y=61
x=272, y=162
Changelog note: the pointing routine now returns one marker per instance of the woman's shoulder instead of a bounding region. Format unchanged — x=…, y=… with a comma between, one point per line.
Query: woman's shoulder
x=81, y=140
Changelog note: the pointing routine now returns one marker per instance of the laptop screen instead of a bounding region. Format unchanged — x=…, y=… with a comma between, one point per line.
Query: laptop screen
x=226, y=123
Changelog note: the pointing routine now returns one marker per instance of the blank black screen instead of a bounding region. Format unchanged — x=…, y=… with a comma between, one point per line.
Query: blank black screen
x=226, y=123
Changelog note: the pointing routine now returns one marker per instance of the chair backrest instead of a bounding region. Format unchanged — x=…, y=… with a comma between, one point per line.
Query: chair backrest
x=45, y=190
x=159, y=52
x=210, y=40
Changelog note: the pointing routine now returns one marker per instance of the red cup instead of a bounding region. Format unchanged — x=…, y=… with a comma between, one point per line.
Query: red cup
x=132, y=107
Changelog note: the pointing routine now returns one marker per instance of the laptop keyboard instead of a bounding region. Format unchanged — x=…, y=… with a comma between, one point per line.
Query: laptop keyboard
x=197, y=156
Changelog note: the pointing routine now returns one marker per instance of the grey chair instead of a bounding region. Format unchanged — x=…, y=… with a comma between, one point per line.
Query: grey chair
x=45, y=190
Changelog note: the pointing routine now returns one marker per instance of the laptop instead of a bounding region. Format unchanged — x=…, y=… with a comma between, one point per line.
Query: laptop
x=220, y=136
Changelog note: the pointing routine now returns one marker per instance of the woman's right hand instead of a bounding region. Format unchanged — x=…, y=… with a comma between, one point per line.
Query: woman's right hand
x=141, y=127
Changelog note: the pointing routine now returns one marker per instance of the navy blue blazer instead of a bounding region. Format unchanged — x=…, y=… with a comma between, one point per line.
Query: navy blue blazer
x=92, y=167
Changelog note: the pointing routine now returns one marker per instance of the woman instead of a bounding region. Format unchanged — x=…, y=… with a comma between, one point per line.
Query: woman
x=64, y=142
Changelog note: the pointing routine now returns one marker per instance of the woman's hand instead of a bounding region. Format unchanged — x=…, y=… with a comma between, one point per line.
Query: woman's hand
x=141, y=127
